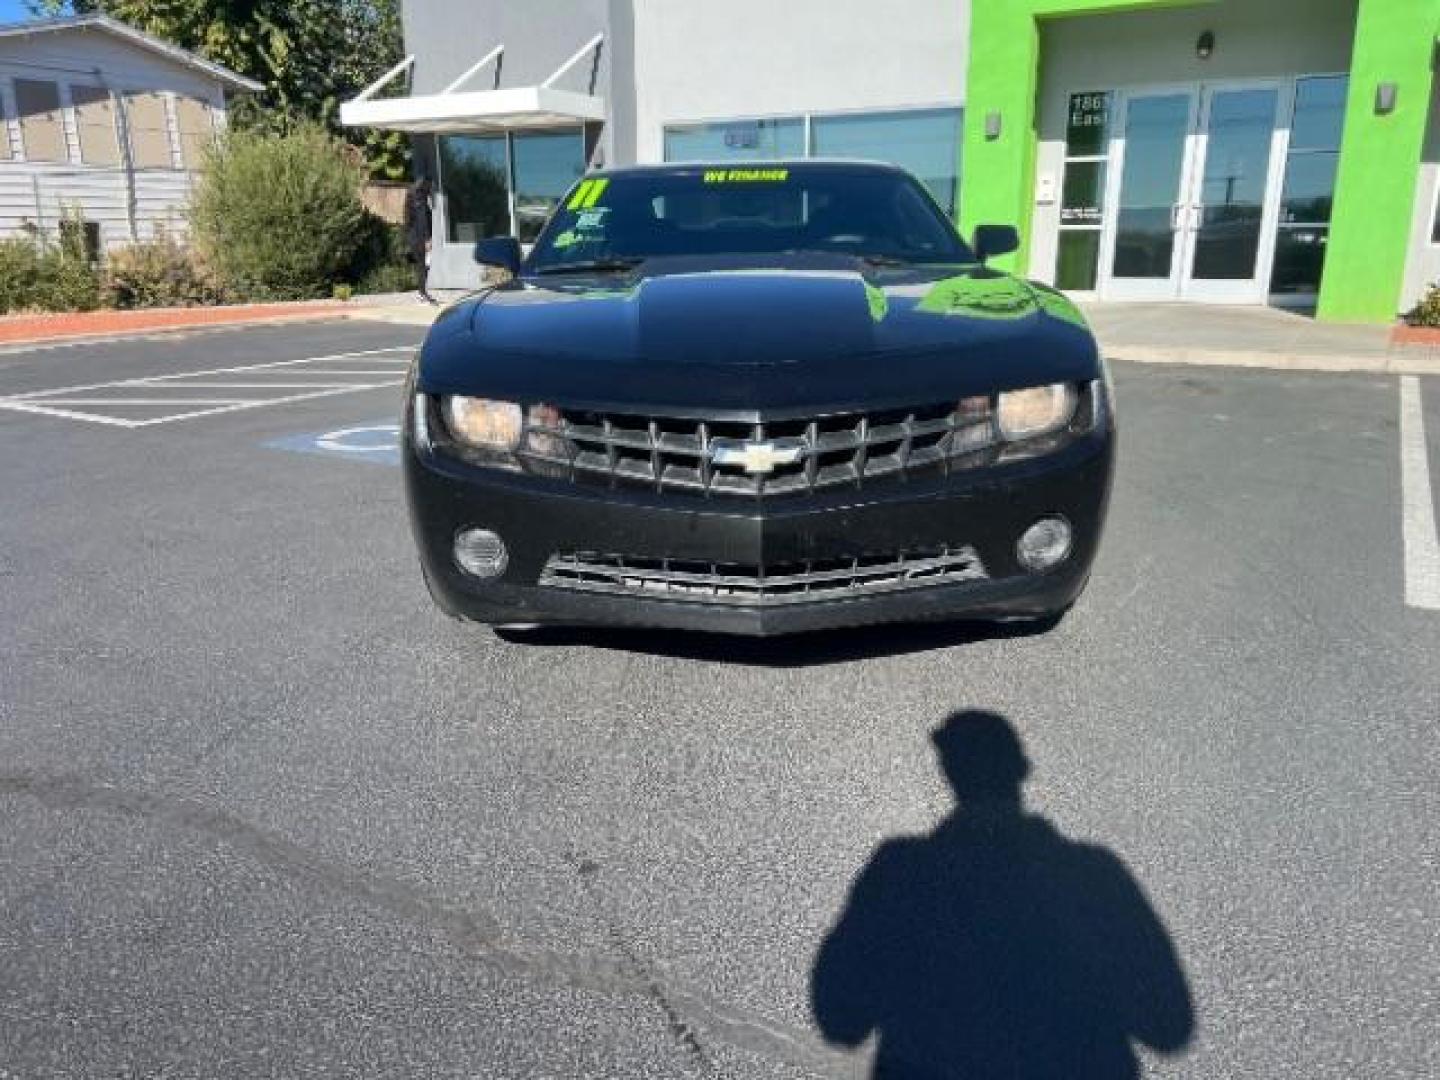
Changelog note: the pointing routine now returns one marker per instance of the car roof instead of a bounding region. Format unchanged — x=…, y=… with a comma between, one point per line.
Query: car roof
x=823, y=164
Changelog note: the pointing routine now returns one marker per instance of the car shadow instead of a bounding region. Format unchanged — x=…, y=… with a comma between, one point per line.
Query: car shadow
x=794, y=650
x=994, y=945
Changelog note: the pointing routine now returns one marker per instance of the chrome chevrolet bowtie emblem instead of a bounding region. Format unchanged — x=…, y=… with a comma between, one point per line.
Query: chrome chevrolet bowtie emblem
x=757, y=458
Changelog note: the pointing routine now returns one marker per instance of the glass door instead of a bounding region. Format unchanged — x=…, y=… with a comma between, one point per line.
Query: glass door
x=1230, y=211
x=1143, y=246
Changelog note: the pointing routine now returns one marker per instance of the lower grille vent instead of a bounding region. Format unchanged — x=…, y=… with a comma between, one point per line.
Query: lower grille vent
x=750, y=585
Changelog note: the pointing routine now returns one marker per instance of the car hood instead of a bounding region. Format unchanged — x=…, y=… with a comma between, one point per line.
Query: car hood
x=682, y=334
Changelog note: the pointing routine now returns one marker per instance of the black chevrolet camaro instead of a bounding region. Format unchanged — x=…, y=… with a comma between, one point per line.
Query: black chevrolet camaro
x=757, y=400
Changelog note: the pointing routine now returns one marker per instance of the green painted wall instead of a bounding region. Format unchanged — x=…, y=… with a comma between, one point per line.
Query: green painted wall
x=1379, y=161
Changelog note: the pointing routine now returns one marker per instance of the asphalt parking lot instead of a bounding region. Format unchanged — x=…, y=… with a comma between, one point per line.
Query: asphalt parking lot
x=266, y=813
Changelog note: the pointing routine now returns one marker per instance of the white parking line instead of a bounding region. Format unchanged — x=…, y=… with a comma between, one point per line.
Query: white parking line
x=244, y=405
x=148, y=379
x=264, y=385
x=1422, y=545
x=375, y=368
x=66, y=414
x=152, y=401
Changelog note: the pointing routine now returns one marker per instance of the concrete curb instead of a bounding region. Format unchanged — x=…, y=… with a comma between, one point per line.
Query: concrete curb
x=209, y=320
x=400, y=316
x=1393, y=363
x=60, y=341
x=19, y=330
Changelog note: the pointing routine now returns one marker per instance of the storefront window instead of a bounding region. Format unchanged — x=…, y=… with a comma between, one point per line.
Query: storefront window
x=1314, y=156
x=1082, y=198
x=473, y=178
x=478, y=174
x=926, y=143
x=546, y=166
x=739, y=140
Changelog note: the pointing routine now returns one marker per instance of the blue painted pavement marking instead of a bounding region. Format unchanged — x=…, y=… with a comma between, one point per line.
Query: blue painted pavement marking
x=377, y=443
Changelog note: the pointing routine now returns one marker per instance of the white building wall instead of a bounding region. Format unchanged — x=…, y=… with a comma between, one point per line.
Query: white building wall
x=699, y=60
x=1252, y=40
x=35, y=194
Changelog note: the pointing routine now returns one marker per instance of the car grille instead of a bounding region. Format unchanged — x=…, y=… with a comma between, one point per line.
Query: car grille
x=763, y=585
x=714, y=457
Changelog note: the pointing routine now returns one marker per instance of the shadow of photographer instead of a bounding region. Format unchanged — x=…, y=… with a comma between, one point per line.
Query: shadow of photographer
x=996, y=947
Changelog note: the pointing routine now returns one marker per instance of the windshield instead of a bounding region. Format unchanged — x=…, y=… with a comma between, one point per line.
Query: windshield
x=607, y=222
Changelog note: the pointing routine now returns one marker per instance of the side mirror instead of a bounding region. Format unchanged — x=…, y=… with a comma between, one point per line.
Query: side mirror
x=501, y=251
x=993, y=240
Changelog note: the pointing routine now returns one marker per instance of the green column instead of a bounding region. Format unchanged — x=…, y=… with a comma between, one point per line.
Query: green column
x=1379, y=161
x=1000, y=173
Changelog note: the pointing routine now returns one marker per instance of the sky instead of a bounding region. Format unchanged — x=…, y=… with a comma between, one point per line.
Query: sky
x=13, y=10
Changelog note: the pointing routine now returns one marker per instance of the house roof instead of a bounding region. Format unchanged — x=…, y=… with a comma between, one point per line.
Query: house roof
x=106, y=24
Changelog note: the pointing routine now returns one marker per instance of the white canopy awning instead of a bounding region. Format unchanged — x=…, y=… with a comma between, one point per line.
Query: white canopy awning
x=476, y=111
x=480, y=111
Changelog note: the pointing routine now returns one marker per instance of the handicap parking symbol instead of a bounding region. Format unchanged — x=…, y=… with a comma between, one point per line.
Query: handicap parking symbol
x=378, y=443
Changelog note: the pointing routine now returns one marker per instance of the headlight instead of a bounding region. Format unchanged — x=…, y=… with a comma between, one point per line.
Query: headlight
x=1040, y=410
x=482, y=424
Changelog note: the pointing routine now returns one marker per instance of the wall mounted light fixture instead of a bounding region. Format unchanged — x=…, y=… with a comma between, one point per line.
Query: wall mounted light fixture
x=992, y=126
x=1205, y=46
x=1385, y=95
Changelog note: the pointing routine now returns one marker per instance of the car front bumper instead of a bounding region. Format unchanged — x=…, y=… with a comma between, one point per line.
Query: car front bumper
x=538, y=519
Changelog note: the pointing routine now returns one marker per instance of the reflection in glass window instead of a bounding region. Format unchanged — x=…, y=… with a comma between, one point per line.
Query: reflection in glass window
x=1083, y=199
x=1078, y=260
x=473, y=178
x=1309, y=192
x=1319, y=113
x=1299, y=259
x=925, y=143
x=1309, y=188
x=476, y=174
x=737, y=140
x=546, y=166
x=1157, y=128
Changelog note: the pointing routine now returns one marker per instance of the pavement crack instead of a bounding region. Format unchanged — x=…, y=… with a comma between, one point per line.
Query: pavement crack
x=692, y=1016
x=644, y=974
x=66, y=792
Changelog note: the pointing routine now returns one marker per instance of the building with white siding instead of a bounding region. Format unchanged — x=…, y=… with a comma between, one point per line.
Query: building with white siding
x=104, y=121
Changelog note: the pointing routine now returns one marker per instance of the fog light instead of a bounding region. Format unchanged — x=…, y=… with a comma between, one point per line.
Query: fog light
x=481, y=553
x=1045, y=545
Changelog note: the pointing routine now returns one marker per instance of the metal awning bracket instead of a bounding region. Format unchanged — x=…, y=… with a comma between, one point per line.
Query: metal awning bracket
x=386, y=79
x=496, y=54
x=580, y=54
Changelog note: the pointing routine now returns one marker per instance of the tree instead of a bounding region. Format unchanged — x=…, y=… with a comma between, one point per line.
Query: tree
x=310, y=54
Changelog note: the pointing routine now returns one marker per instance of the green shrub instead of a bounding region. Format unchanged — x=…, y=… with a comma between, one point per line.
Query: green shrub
x=1427, y=312
x=19, y=272
x=158, y=273
x=388, y=278
x=69, y=284
x=70, y=269
x=343, y=293
x=38, y=275
x=279, y=216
